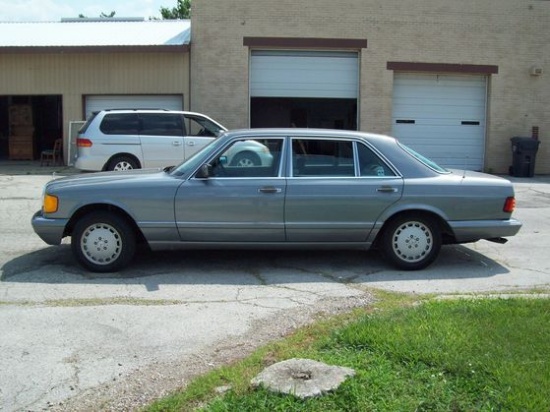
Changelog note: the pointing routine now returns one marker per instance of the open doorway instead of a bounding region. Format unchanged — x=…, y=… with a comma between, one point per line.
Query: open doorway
x=324, y=113
x=28, y=125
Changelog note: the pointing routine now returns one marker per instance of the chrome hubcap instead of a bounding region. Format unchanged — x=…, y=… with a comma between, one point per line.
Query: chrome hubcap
x=121, y=166
x=412, y=241
x=245, y=162
x=101, y=244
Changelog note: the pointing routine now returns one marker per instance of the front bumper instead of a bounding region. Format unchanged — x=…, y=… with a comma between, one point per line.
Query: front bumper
x=472, y=230
x=50, y=231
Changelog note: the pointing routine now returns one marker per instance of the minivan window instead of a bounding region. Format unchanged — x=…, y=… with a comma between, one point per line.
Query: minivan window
x=120, y=123
x=161, y=124
x=199, y=126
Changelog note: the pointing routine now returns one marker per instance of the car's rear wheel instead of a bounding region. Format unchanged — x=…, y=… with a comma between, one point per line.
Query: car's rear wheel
x=412, y=243
x=121, y=163
x=103, y=242
x=246, y=159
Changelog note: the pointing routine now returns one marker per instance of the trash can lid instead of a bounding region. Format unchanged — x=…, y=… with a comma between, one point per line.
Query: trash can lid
x=526, y=143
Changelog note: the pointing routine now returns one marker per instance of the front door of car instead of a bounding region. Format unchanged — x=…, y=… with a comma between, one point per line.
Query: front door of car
x=161, y=136
x=337, y=190
x=235, y=203
x=199, y=131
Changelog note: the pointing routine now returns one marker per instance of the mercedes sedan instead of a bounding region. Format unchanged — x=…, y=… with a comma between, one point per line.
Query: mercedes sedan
x=319, y=189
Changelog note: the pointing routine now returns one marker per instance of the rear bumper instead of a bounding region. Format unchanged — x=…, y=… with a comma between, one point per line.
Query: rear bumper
x=49, y=230
x=470, y=231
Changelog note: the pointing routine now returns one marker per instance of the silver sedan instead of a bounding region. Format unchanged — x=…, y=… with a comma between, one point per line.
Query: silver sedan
x=312, y=189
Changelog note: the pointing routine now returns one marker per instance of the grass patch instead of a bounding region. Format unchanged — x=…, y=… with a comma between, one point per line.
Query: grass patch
x=482, y=354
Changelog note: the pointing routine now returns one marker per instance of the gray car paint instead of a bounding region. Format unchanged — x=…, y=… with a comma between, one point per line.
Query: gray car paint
x=175, y=206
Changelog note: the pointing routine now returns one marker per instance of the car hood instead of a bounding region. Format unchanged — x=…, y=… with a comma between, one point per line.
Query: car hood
x=105, y=178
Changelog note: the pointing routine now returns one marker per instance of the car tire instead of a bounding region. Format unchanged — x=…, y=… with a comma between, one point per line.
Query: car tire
x=103, y=242
x=246, y=159
x=412, y=243
x=122, y=163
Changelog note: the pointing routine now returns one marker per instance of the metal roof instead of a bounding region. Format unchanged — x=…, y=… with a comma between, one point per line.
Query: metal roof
x=94, y=33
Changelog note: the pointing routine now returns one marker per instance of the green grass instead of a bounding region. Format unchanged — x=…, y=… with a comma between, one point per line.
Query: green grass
x=464, y=355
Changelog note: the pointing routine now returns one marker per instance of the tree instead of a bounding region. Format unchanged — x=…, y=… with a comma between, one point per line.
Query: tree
x=181, y=11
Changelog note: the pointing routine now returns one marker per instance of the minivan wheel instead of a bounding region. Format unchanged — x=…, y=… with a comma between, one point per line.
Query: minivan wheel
x=412, y=243
x=121, y=163
x=103, y=242
x=246, y=159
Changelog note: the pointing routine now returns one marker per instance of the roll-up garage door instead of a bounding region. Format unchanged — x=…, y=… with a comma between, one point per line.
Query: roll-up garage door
x=313, y=74
x=168, y=102
x=442, y=117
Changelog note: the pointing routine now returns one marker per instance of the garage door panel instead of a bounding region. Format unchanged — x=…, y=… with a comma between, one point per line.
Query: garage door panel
x=303, y=74
x=454, y=112
x=441, y=116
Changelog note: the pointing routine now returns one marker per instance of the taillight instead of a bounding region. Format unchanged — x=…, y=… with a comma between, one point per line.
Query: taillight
x=509, y=204
x=81, y=142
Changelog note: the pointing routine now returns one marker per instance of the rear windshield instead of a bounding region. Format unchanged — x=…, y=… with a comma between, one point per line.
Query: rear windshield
x=87, y=124
x=422, y=159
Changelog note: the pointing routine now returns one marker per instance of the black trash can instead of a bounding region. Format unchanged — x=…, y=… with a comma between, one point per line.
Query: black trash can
x=524, y=153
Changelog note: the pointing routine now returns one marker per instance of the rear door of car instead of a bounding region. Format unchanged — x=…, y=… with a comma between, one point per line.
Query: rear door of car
x=235, y=204
x=336, y=190
x=162, y=139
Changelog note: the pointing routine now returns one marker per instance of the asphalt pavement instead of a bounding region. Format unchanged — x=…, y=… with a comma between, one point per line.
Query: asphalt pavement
x=71, y=334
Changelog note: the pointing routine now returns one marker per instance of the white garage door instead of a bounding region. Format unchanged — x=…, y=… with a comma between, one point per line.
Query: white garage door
x=97, y=103
x=442, y=117
x=304, y=74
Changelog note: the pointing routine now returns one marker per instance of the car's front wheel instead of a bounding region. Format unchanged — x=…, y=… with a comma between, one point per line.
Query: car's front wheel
x=122, y=163
x=412, y=243
x=103, y=242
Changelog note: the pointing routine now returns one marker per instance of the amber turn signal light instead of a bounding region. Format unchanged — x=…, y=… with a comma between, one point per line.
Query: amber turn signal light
x=50, y=203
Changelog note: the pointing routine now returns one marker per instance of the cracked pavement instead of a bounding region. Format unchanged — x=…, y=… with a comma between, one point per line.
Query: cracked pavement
x=71, y=334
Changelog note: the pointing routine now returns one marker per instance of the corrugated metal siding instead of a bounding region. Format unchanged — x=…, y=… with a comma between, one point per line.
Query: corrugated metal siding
x=94, y=73
x=73, y=76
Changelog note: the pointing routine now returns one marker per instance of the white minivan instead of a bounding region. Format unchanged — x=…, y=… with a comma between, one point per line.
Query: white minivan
x=141, y=138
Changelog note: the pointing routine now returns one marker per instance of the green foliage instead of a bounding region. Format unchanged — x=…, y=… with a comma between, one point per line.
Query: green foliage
x=462, y=355
x=181, y=11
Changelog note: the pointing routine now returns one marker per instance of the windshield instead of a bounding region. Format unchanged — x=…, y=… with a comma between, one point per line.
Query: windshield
x=428, y=162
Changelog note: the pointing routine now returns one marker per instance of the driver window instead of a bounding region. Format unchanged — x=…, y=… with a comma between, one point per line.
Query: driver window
x=249, y=158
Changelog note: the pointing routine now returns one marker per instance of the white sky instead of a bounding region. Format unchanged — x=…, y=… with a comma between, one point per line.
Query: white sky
x=54, y=10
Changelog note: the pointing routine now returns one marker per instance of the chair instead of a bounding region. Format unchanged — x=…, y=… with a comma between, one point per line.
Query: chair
x=55, y=154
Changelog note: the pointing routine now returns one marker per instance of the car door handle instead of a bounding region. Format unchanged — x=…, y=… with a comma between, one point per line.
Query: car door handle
x=270, y=189
x=387, y=189
x=176, y=143
x=190, y=143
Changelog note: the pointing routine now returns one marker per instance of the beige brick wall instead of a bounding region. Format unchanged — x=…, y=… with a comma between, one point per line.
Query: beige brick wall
x=513, y=35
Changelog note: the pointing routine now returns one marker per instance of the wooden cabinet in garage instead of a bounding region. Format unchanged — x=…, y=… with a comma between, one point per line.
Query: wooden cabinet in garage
x=21, y=142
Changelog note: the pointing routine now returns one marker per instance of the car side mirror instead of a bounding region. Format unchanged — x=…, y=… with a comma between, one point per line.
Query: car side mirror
x=204, y=171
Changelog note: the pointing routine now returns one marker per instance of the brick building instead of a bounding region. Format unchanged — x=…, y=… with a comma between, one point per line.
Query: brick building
x=455, y=80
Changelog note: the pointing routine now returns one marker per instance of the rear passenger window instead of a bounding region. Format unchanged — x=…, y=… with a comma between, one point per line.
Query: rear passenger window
x=322, y=157
x=370, y=163
x=120, y=123
x=161, y=124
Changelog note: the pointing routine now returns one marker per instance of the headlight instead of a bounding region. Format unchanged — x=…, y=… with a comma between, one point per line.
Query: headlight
x=50, y=203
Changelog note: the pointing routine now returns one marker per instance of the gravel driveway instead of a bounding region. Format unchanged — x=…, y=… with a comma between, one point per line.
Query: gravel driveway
x=73, y=340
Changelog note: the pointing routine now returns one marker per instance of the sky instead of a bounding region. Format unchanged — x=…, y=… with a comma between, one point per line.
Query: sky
x=54, y=10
